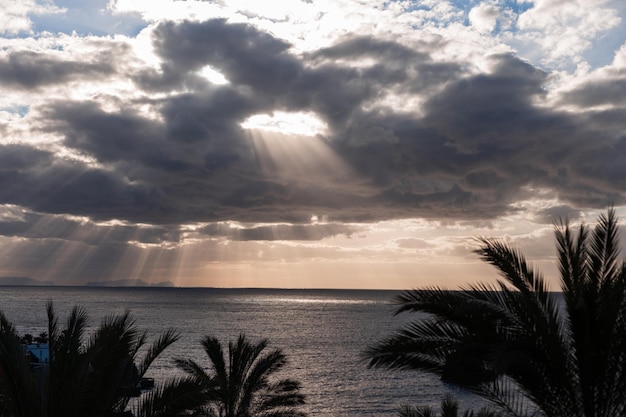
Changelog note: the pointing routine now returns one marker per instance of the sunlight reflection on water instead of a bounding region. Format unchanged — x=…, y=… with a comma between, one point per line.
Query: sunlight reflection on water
x=310, y=300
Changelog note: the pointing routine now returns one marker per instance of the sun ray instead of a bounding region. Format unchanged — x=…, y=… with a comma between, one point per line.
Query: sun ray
x=291, y=156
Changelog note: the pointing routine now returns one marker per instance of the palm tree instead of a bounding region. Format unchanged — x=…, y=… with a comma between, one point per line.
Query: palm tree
x=97, y=376
x=449, y=408
x=19, y=387
x=174, y=398
x=241, y=384
x=520, y=346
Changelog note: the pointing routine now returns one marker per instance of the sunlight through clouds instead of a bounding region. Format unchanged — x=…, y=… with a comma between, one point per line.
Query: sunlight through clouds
x=301, y=123
x=213, y=75
x=299, y=160
x=290, y=143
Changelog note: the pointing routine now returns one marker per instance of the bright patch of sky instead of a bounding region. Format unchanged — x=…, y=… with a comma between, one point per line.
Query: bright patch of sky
x=18, y=110
x=295, y=123
x=91, y=17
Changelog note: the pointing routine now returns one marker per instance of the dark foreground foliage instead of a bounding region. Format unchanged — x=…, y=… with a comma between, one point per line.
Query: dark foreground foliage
x=96, y=376
x=449, y=408
x=515, y=343
x=100, y=375
x=241, y=382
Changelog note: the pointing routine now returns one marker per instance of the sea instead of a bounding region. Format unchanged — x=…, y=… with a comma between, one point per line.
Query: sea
x=322, y=332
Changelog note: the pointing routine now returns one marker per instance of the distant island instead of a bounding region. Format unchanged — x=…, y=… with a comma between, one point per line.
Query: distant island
x=24, y=281
x=31, y=282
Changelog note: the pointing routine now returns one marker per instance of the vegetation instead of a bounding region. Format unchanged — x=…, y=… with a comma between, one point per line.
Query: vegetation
x=88, y=377
x=520, y=346
x=449, y=408
x=100, y=375
x=41, y=338
x=240, y=382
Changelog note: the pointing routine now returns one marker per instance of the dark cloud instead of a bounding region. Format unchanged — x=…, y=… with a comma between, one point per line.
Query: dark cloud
x=247, y=55
x=212, y=117
x=564, y=213
x=480, y=143
x=279, y=80
x=123, y=139
x=474, y=113
x=351, y=49
x=601, y=92
x=309, y=232
x=16, y=222
x=16, y=158
x=29, y=70
x=38, y=180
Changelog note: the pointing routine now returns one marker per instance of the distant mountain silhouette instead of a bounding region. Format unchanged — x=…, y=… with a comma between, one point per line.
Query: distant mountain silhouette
x=24, y=281
x=129, y=283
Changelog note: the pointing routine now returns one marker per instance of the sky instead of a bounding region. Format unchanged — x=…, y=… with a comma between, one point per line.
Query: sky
x=303, y=143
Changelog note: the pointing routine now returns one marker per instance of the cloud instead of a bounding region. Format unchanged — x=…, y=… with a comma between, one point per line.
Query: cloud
x=476, y=141
x=247, y=55
x=287, y=232
x=17, y=222
x=30, y=70
x=15, y=15
x=600, y=89
x=555, y=214
x=37, y=180
x=595, y=93
x=484, y=17
x=414, y=243
x=566, y=29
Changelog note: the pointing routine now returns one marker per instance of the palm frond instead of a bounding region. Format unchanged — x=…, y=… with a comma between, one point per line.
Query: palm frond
x=512, y=266
x=19, y=390
x=175, y=398
x=503, y=393
x=567, y=360
x=410, y=411
x=572, y=255
x=213, y=349
x=165, y=340
x=113, y=375
x=250, y=369
x=53, y=326
x=193, y=369
x=423, y=345
x=69, y=365
x=604, y=249
x=449, y=407
x=245, y=386
x=282, y=395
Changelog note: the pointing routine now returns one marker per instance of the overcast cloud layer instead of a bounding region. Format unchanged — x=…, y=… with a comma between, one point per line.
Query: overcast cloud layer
x=208, y=144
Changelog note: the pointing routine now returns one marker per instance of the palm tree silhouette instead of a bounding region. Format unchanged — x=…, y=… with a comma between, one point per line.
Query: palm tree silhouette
x=515, y=343
x=240, y=382
x=95, y=377
x=19, y=386
x=449, y=408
